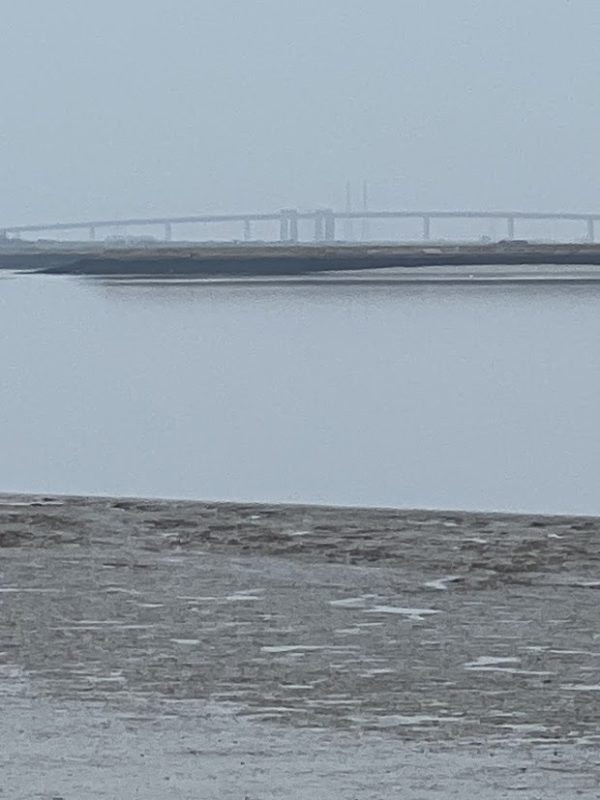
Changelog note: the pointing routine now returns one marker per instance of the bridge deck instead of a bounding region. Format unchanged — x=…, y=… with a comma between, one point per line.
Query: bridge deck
x=323, y=221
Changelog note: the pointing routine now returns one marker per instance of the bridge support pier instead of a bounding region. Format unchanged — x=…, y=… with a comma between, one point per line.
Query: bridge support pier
x=92, y=234
x=319, y=226
x=288, y=225
x=510, y=223
x=284, y=227
x=247, y=231
x=329, y=225
x=168, y=232
x=590, y=230
x=293, y=225
x=325, y=225
x=426, y=229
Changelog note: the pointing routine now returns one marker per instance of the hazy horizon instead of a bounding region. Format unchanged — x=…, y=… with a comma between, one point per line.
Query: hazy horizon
x=142, y=108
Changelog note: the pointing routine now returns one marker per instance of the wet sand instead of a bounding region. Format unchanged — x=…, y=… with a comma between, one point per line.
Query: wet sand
x=174, y=649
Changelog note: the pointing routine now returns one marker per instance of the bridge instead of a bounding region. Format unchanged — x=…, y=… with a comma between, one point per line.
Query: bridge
x=324, y=223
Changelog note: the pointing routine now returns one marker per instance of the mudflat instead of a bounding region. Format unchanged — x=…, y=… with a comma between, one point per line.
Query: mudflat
x=160, y=649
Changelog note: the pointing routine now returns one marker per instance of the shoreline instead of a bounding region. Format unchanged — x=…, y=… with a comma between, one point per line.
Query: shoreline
x=41, y=499
x=210, y=260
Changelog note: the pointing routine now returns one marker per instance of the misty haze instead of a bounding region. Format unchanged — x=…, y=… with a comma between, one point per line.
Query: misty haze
x=299, y=450
x=144, y=108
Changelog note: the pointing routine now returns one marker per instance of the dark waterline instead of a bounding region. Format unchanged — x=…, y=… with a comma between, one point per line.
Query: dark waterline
x=420, y=395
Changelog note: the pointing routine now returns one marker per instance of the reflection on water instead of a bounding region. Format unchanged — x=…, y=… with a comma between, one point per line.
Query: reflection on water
x=398, y=395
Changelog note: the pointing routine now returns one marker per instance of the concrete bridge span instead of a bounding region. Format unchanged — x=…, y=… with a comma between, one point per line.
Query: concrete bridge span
x=323, y=224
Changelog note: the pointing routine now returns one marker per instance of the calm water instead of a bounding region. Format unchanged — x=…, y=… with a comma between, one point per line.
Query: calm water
x=480, y=397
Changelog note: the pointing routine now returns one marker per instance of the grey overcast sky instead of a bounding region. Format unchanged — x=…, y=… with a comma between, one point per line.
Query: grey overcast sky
x=171, y=106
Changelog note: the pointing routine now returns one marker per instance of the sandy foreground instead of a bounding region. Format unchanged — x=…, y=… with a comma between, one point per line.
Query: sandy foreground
x=189, y=650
